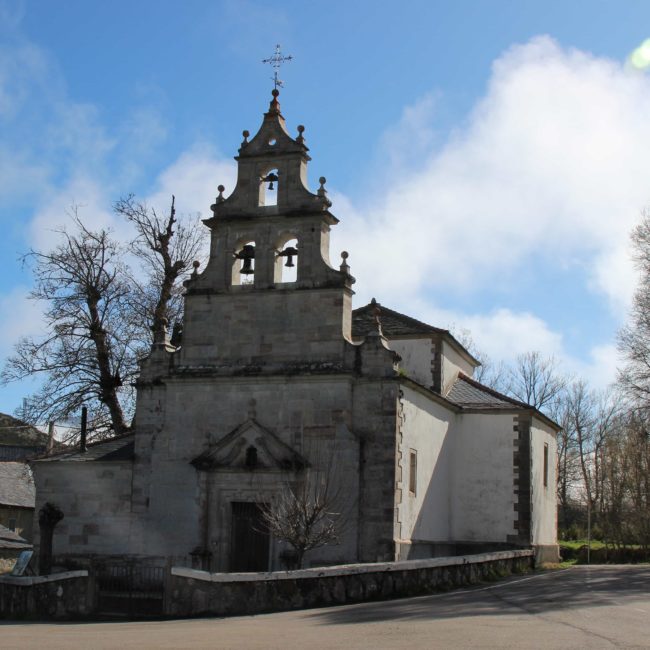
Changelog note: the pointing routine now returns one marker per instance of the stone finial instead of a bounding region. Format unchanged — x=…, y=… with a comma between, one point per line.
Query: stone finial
x=245, y=133
x=301, y=130
x=220, y=198
x=376, y=312
x=274, y=106
x=195, y=272
x=344, y=263
x=322, y=192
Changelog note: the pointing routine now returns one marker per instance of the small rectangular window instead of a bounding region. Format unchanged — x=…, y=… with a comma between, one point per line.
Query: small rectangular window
x=12, y=525
x=545, y=465
x=413, y=471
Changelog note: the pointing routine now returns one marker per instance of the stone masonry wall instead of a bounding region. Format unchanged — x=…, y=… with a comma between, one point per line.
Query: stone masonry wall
x=193, y=593
x=64, y=595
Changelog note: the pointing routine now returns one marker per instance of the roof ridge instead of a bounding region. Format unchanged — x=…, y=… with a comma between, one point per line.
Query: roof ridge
x=76, y=449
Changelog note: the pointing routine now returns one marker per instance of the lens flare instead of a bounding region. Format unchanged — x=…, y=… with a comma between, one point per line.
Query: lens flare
x=640, y=58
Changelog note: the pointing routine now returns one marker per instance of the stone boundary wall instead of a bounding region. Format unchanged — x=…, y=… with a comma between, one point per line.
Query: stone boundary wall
x=192, y=593
x=60, y=595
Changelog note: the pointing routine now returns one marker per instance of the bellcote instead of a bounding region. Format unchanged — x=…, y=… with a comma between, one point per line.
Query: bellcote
x=271, y=221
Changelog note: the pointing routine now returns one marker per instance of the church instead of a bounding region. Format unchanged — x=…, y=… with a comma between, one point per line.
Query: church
x=276, y=377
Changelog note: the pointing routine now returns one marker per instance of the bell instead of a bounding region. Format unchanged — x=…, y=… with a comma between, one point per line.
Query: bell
x=289, y=263
x=270, y=178
x=247, y=267
x=247, y=255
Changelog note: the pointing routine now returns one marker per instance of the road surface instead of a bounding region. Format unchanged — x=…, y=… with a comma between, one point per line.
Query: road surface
x=582, y=607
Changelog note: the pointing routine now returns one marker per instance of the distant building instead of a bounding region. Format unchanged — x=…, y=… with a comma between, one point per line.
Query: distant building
x=11, y=546
x=17, y=497
x=276, y=373
x=19, y=440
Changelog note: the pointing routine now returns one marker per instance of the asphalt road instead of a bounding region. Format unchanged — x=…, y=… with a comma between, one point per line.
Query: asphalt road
x=582, y=607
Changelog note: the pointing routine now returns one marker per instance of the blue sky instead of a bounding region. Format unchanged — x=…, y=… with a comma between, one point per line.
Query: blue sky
x=487, y=160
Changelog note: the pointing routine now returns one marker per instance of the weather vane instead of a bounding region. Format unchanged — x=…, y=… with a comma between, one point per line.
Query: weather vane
x=276, y=61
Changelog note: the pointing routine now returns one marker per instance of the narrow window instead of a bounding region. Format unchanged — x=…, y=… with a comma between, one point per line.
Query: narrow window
x=12, y=525
x=251, y=457
x=413, y=471
x=545, y=465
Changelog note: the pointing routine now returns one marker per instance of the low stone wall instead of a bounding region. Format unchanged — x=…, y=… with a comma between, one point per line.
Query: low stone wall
x=191, y=592
x=60, y=595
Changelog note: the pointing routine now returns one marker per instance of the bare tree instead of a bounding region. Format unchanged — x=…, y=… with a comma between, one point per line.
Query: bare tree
x=101, y=313
x=166, y=248
x=89, y=349
x=634, y=339
x=490, y=373
x=310, y=511
x=535, y=380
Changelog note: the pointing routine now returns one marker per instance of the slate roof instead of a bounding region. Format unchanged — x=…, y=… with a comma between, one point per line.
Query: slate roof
x=11, y=540
x=469, y=393
x=114, y=449
x=16, y=485
x=394, y=324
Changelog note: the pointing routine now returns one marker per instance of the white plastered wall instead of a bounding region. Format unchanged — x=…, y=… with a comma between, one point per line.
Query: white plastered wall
x=452, y=364
x=544, y=499
x=482, y=506
x=417, y=358
x=424, y=516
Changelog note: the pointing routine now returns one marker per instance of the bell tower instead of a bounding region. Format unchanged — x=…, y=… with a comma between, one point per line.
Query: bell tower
x=269, y=293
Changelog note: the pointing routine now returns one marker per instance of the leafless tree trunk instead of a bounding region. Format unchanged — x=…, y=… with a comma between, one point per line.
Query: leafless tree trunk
x=89, y=349
x=166, y=248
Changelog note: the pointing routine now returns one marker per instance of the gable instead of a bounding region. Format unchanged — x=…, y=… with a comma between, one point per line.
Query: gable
x=249, y=447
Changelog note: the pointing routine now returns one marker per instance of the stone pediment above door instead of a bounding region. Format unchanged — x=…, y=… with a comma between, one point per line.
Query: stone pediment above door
x=249, y=447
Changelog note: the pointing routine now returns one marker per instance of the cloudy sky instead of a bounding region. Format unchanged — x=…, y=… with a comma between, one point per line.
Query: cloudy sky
x=487, y=160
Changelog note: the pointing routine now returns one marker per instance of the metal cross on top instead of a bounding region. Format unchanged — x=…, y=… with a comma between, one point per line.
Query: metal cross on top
x=276, y=61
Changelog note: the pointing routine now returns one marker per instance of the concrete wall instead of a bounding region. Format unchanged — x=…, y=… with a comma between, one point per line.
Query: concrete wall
x=193, y=593
x=95, y=498
x=424, y=516
x=417, y=358
x=482, y=507
x=544, y=498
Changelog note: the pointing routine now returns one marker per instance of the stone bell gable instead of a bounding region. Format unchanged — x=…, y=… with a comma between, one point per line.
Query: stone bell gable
x=240, y=310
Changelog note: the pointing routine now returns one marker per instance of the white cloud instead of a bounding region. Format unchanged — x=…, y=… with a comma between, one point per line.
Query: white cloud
x=550, y=169
x=19, y=316
x=193, y=178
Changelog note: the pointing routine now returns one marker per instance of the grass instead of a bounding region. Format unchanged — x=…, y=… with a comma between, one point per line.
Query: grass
x=575, y=544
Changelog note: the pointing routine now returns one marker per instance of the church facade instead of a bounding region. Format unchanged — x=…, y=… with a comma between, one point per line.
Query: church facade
x=276, y=376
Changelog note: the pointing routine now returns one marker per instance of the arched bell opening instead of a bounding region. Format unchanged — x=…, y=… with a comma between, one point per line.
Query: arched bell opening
x=243, y=266
x=286, y=261
x=269, y=188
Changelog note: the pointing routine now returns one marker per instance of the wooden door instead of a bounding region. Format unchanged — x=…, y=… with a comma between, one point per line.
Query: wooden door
x=249, y=540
